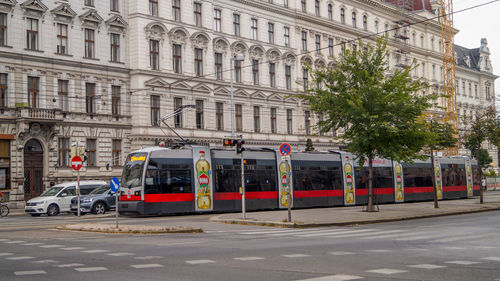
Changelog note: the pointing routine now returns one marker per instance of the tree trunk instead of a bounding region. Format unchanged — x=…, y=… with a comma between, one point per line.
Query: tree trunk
x=370, y=207
x=478, y=152
x=434, y=178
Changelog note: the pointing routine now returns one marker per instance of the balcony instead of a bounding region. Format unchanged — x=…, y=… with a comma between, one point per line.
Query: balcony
x=39, y=114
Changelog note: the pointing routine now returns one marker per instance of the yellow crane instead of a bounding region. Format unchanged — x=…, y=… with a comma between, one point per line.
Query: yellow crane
x=449, y=80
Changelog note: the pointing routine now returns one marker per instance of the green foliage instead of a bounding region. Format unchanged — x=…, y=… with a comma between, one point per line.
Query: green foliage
x=441, y=135
x=309, y=145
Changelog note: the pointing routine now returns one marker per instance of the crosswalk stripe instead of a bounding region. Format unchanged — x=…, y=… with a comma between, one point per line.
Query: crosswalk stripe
x=70, y=265
x=397, y=235
x=365, y=234
x=20, y=258
x=51, y=246
x=249, y=258
x=200, y=261
x=29, y=272
x=95, y=251
x=295, y=256
x=338, y=277
x=275, y=231
x=72, y=248
x=463, y=237
x=87, y=269
x=5, y=254
x=152, y=265
x=338, y=232
x=492, y=258
x=119, y=254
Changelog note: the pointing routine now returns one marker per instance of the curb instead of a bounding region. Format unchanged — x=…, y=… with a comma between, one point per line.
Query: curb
x=127, y=229
x=349, y=223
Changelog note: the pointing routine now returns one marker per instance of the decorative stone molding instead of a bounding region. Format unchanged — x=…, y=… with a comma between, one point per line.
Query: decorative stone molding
x=256, y=52
x=319, y=63
x=7, y=5
x=200, y=40
x=63, y=13
x=220, y=45
x=238, y=47
x=273, y=54
x=155, y=31
x=116, y=24
x=308, y=60
x=178, y=35
x=156, y=83
x=91, y=19
x=34, y=8
x=289, y=58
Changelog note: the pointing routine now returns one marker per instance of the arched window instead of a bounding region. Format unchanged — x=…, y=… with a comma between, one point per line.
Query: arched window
x=342, y=15
x=330, y=12
x=365, y=22
x=316, y=7
x=354, y=19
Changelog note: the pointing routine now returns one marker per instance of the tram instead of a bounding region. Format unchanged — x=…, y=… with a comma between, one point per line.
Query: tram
x=159, y=181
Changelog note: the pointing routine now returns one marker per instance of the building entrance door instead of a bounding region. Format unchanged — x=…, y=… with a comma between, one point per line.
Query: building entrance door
x=33, y=169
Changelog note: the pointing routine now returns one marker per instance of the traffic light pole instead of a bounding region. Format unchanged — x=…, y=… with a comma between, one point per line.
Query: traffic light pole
x=243, y=187
x=78, y=185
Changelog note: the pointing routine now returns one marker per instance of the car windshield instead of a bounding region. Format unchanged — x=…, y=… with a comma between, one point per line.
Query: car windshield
x=100, y=189
x=52, y=191
x=132, y=170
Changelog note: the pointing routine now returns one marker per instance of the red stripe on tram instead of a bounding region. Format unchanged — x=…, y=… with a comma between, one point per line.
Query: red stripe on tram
x=130, y=198
x=455, y=188
x=317, y=193
x=173, y=197
x=420, y=189
x=248, y=195
x=476, y=187
x=384, y=190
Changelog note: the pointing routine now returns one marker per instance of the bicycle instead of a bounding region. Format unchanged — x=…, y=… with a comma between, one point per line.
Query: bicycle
x=4, y=210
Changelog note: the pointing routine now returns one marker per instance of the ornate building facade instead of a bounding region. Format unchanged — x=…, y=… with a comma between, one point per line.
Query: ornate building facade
x=104, y=74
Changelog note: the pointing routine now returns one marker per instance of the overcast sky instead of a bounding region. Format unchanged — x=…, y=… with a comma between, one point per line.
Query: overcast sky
x=482, y=22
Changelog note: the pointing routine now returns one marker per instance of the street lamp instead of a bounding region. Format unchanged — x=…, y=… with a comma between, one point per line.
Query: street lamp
x=238, y=57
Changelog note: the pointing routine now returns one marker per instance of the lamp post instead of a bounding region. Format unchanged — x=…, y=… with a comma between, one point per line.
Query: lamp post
x=238, y=57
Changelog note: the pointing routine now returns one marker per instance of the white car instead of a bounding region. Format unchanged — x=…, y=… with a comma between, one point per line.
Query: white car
x=58, y=198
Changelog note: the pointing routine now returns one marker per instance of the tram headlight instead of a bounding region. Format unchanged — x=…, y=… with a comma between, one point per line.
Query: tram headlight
x=137, y=193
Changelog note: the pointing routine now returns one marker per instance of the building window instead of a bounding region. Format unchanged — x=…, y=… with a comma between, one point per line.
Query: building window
x=354, y=19
x=178, y=117
x=199, y=114
x=316, y=7
x=89, y=3
x=177, y=57
x=236, y=24
x=114, y=5
x=318, y=44
x=342, y=15
x=117, y=152
x=421, y=41
x=115, y=100
x=63, y=152
x=62, y=39
x=155, y=110
x=376, y=27
x=32, y=34
x=475, y=90
x=3, y=29
x=288, y=77
x=433, y=72
x=176, y=10
x=238, y=117
x=219, y=116
x=487, y=91
x=33, y=91
x=62, y=93
x=273, y=120
x=254, y=29
x=320, y=119
x=365, y=22
x=330, y=12
x=330, y=47
x=197, y=14
x=153, y=7
x=304, y=41
x=423, y=71
x=470, y=89
x=91, y=152
x=218, y=66
x=303, y=5
x=89, y=43
x=305, y=77
x=272, y=74
x=271, y=32
x=307, y=115
x=90, y=97
x=198, y=61
x=287, y=36
x=285, y=3
x=115, y=47
x=217, y=20
x=3, y=90
x=256, y=119
x=154, y=54
x=289, y=123
x=237, y=71
x=255, y=72
x=432, y=44
x=463, y=88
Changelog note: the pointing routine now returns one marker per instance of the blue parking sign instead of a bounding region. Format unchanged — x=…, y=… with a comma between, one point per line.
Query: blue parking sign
x=114, y=184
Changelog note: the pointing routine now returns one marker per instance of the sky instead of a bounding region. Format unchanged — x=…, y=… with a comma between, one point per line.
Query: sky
x=482, y=22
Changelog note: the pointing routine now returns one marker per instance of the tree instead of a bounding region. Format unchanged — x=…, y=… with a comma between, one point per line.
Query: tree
x=379, y=113
x=484, y=127
x=309, y=145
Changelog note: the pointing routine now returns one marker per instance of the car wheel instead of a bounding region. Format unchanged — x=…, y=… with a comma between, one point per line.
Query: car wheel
x=52, y=210
x=99, y=208
x=35, y=215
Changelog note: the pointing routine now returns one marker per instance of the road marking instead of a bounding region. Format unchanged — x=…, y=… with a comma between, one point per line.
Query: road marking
x=340, y=253
x=249, y=258
x=148, y=257
x=46, y=261
x=337, y=232
x=30, y=272
x=72, y=248
x=87, y=269
x=487, y=247
x=5, y=254
x=387, y=271
x=120, y=254
x=200, y=261
x=51, y=246
x=20, y=258
x=379, y=251
x=275, y=231
x=32, y=244
x=366, y=234
x=453, y=248
x=427, y=266
x=462, y=237
x=14, y=242
x=398, y=235
x=70, y=265
x=152, y=265
x=95, y=251
x=492, y=258
x=462, y=262
x=295, y=256
x=2, y=240
x=338, y=277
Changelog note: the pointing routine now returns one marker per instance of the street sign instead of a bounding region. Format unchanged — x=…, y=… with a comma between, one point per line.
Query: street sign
x=115, y=184
x=76, y=163
x=285, y=149
x=285, y=158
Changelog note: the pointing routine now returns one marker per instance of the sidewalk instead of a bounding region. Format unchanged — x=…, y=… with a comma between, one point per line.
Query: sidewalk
x=338, y=216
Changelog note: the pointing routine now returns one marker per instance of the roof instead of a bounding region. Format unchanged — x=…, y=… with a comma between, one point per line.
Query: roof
x=414, y=5
x=467, y=58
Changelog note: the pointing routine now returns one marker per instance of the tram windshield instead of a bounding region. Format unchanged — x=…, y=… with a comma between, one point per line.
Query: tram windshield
x=132, y=170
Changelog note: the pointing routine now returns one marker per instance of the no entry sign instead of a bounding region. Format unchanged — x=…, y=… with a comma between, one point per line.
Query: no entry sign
x=76, y=163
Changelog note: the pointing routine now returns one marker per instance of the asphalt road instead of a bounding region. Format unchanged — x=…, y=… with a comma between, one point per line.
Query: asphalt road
x=461, y=247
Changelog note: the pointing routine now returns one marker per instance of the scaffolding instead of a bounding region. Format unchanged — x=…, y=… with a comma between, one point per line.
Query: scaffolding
x=402, y=33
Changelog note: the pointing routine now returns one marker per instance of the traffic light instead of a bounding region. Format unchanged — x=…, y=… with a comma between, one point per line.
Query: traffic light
x=239, y=146
x=228, y=142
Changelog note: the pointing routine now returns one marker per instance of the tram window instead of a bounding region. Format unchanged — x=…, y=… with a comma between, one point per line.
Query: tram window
x=453, y=174
x=259, y=178
x=476, y=175
x=227, y=178
x=168, y=179
x=417, y=176
x=316, y=177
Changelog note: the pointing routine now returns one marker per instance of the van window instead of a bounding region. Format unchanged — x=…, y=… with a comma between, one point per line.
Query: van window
x=86, y=189
x=71, y=191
